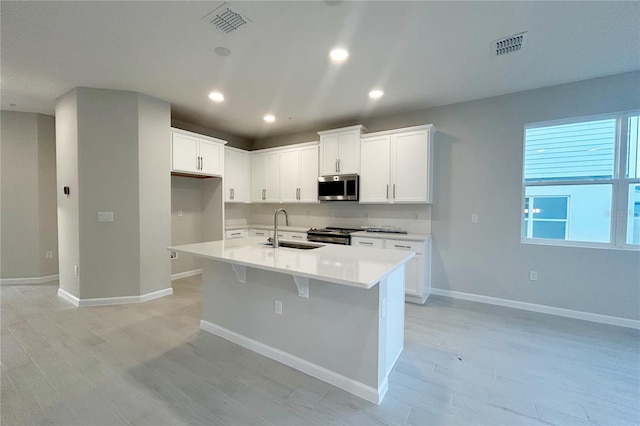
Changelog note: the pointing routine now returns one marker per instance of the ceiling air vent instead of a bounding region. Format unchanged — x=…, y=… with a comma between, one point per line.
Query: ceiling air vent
x=226, y=19
x=508, y=44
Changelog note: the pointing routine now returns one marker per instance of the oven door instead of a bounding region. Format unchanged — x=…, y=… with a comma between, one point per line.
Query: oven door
x=338, y=188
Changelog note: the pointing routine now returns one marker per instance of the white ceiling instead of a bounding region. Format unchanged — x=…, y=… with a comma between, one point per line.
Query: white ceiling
x=421, y=53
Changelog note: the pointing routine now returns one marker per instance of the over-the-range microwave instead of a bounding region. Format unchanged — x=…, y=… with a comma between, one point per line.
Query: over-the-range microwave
x=338, y=188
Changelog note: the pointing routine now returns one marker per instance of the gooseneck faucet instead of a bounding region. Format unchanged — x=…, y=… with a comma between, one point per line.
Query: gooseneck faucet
x=276, y=241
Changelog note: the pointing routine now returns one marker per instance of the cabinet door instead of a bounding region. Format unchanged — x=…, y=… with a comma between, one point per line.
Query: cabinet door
x=409, y=167
x=367, y=242
x=237, y=171
x=211, y=158
x=329, y=153
x=289, y=173
x=184, y=151
x=412, y=276
x=374, y=172
x=349, y=148
x=308, y=175
x=272, y=178
x=258, y=177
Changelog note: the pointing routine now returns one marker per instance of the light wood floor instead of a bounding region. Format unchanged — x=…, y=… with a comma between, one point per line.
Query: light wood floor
x=464, y=363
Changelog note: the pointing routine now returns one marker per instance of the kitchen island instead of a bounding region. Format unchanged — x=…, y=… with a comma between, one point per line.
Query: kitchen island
x=333, y=312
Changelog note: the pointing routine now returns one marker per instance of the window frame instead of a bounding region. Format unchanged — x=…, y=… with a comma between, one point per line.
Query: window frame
x=621, y=213
x=531, y=219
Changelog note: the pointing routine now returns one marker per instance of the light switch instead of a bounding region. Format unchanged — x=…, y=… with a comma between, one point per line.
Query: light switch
x=474, y=218
x=105, y=216
x=179, y=212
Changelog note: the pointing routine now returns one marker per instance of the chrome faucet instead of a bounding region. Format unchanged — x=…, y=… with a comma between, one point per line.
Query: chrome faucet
x=276, y=242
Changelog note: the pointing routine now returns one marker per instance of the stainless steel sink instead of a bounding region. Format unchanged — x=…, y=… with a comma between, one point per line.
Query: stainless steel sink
x=294, y=245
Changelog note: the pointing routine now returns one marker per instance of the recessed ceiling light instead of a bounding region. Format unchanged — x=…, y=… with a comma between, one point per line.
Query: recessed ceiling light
x=376, y=94
x=269, y=118
x=338, y=55
x=216, y=96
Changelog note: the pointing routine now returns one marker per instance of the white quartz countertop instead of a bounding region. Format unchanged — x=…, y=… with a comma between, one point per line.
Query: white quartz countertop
x=354, y=266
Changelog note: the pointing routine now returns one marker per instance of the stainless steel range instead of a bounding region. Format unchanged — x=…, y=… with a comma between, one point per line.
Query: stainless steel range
x=332, y=235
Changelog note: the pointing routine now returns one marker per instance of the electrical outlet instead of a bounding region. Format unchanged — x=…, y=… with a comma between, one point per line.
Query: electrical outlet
x=49, y=255
x=75, y=269
x=474, y=218
x=278, y=307
x=179, y=212
x=174, y=255
x=105, y=216
x=533, y=275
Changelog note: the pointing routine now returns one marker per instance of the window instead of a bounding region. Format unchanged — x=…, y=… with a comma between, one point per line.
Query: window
x=581, y=182
x=546, y=217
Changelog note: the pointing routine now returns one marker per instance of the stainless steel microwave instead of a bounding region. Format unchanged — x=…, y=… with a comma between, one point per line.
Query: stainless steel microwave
x=338, y=188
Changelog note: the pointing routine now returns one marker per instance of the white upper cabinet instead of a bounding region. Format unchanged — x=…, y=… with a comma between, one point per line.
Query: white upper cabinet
x=299, y=175
x=265, y=177
x=237, y=175
x=396, y=166
x=197, y=155
x=340, y=151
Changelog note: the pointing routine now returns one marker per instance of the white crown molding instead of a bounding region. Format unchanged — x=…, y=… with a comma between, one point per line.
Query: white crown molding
x=568, y=313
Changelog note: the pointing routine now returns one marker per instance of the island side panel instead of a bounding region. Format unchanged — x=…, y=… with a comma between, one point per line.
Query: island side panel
x=335, y=328
x=392, y=320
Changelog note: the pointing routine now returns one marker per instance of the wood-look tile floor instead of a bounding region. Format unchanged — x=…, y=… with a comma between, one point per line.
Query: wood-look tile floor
x=149, y=364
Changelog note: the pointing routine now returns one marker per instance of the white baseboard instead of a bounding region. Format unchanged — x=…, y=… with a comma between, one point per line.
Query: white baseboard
x=113, y=300
x=568, y=313
x=186, y=274
x=29, y=281
x=350, y=385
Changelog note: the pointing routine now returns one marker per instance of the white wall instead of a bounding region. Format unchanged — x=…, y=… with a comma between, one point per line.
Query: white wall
x=28, y=202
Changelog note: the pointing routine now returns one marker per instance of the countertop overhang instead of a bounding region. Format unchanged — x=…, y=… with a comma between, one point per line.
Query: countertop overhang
x=361, y=267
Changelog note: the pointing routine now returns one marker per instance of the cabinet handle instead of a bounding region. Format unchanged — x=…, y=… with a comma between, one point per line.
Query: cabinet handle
x=394, y=191
x=387, y=191
x=233, y=194
x=198, y=163
x=338, y=165
x=201, y=163
x=364, y=243
x=299, y=237
x=401, y=246
x=264, y=194
x=236, y=233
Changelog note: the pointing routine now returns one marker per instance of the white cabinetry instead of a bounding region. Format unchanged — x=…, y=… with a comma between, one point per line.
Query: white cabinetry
x=417, y=270
x=198, y=155
x=396, y=166
x=232, y=234
x=237, y=175
x=340, y=151
x=299, y=175
x=265, y=177
x=259, y=233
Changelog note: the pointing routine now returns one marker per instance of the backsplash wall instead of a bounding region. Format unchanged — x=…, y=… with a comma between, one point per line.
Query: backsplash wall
x=413, y=218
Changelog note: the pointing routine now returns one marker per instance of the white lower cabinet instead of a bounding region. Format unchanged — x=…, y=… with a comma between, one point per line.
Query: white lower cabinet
x=260, y=233
x=417, y=270
x=231, y=234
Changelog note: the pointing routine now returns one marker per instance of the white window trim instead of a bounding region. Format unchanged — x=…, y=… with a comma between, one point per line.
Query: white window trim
x=620, y=186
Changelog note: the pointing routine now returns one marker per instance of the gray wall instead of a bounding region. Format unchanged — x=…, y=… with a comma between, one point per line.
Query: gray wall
x=68, y=205
x=186, y=195
x=28, y=203
x=154, y=155
x=113, y=152
x=478, y=169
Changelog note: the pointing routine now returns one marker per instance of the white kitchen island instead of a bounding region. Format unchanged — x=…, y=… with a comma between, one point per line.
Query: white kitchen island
x=342, y=307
